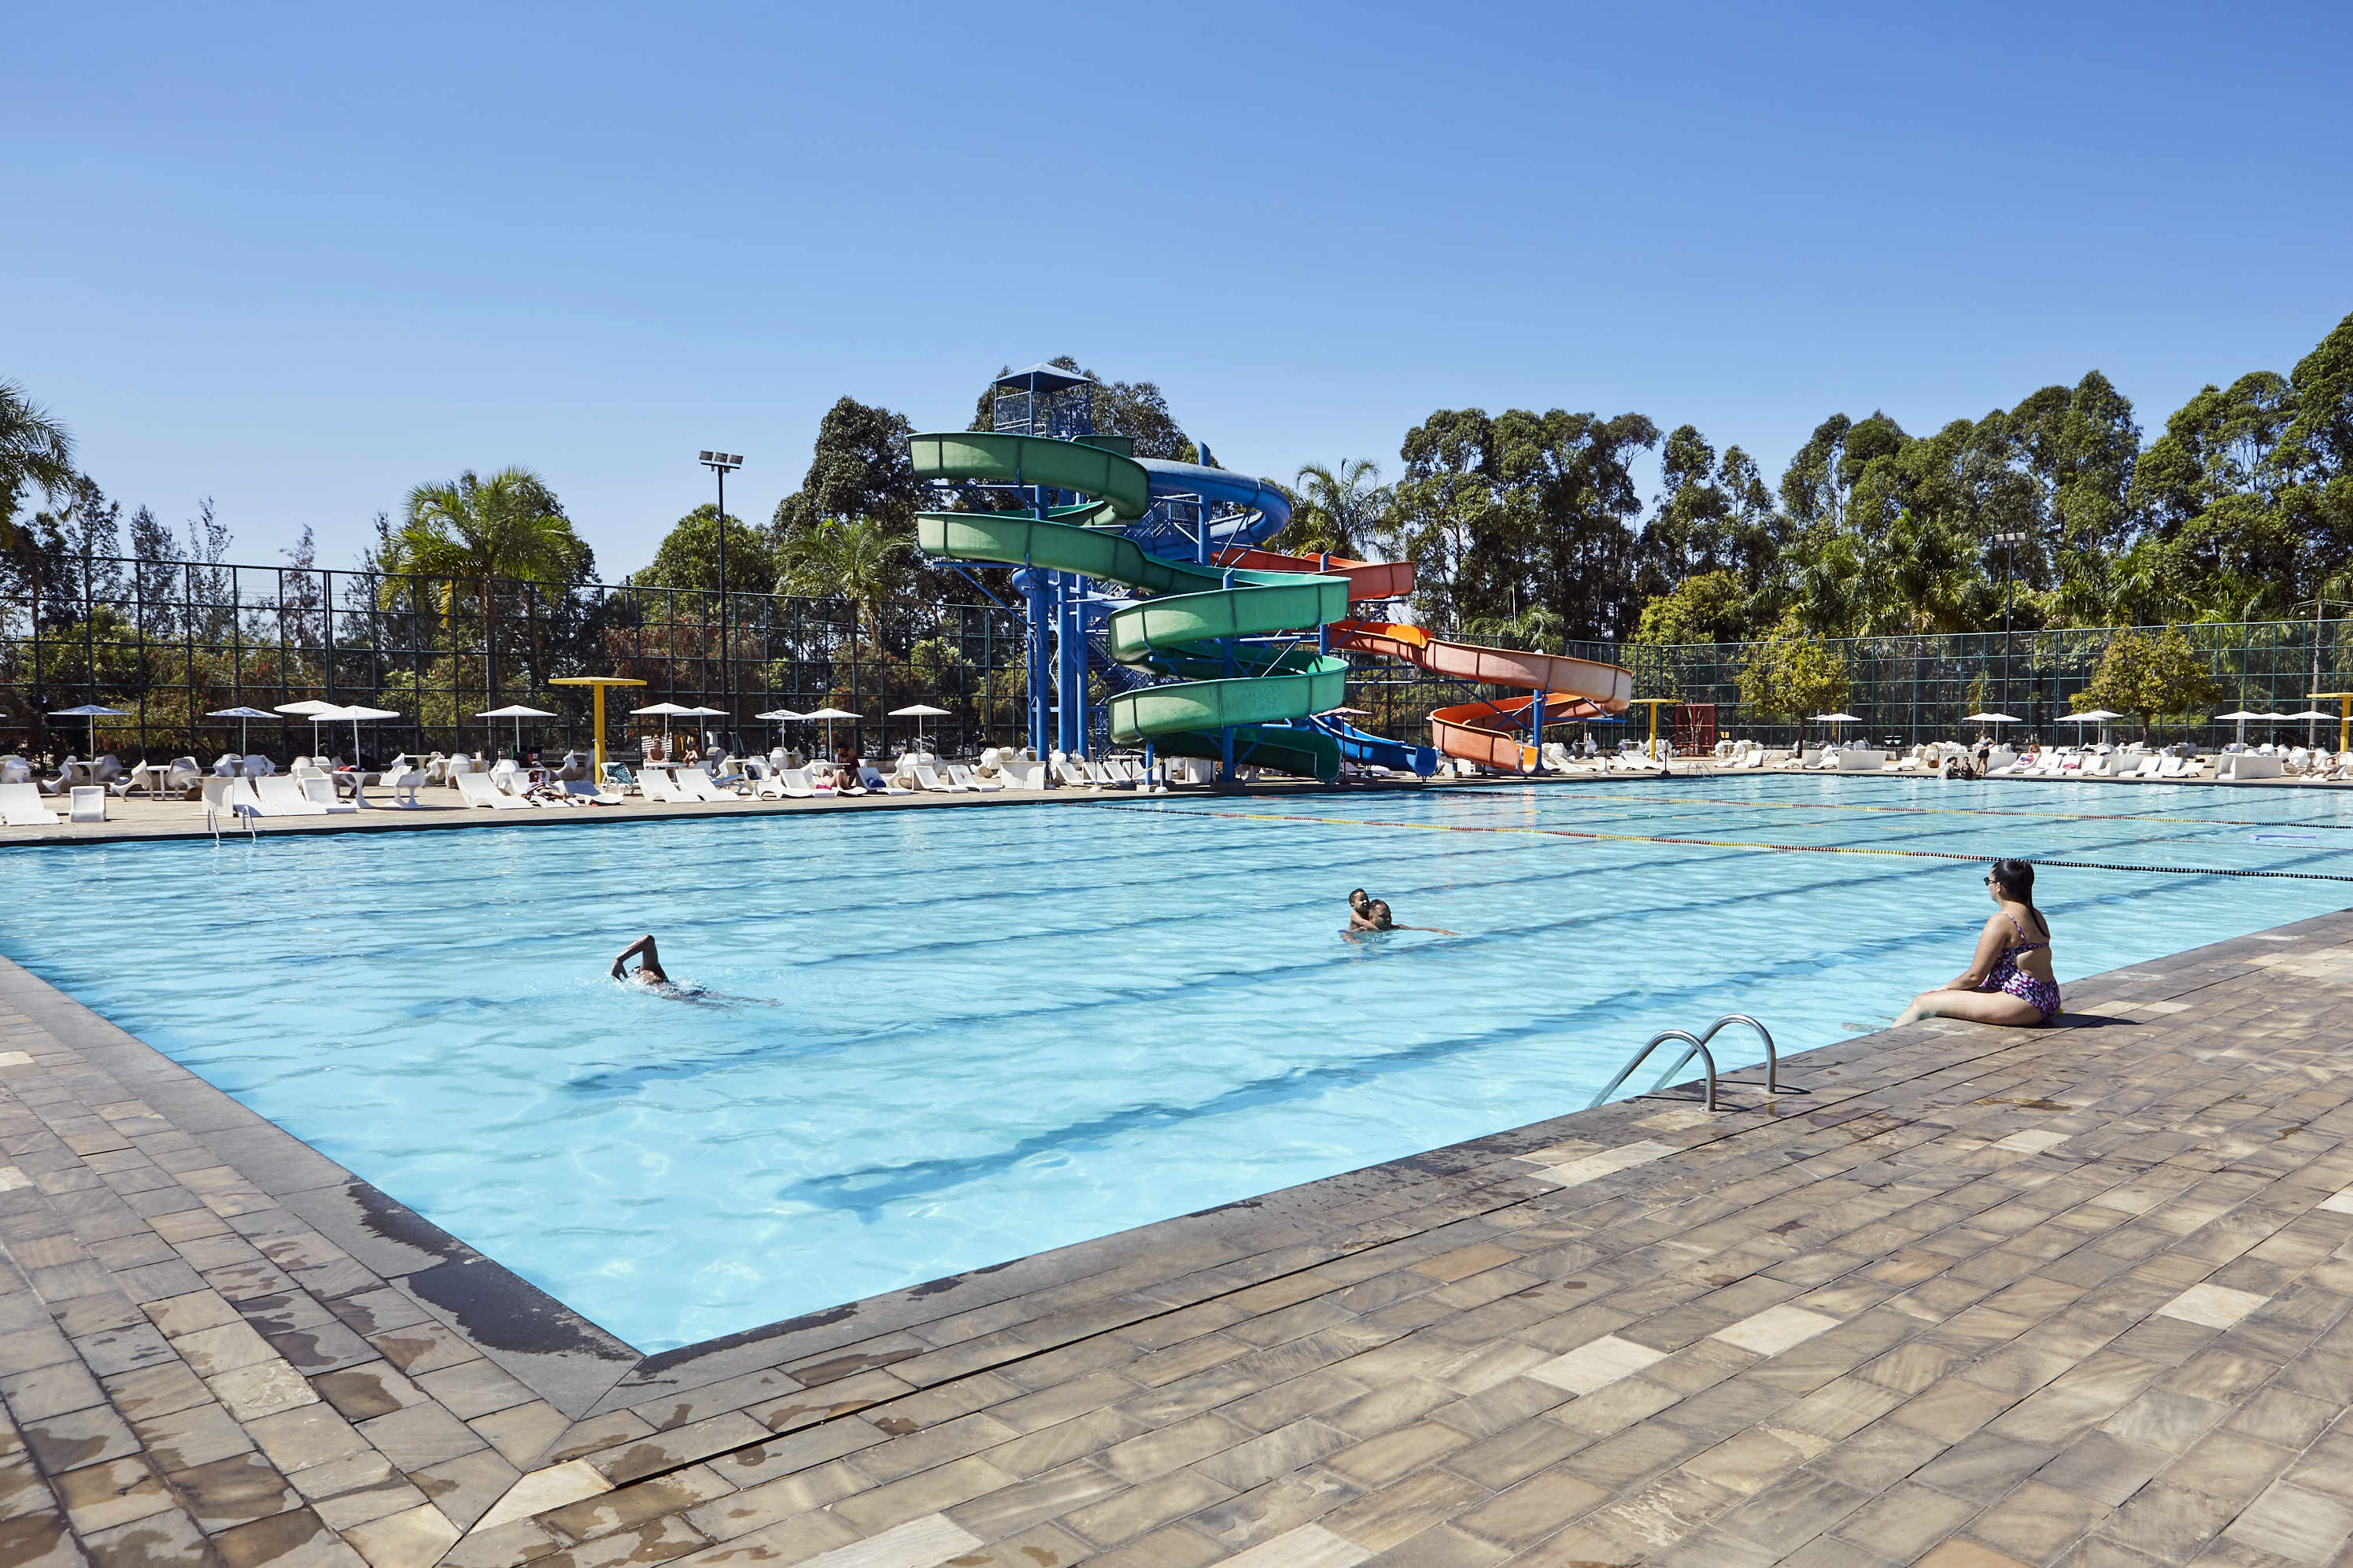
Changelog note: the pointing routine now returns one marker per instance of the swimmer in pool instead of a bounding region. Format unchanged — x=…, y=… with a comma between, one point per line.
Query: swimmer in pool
x=650, y=974
x=1375, y=916
x=1359, y=902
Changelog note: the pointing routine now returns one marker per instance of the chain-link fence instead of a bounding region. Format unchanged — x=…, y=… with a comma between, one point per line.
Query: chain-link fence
x=1914, y=688
x=171, y=642
x=1909, y=690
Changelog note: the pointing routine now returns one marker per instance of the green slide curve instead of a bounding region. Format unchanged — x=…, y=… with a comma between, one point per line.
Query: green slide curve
x=1178, y=631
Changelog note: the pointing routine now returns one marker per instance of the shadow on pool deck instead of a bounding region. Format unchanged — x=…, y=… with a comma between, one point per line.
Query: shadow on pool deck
x=2021, y=1293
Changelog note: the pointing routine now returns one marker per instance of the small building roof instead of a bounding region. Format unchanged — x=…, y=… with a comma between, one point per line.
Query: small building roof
x=1040, y=378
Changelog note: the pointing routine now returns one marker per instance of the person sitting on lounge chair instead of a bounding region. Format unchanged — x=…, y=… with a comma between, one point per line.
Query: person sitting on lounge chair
x=845, y=766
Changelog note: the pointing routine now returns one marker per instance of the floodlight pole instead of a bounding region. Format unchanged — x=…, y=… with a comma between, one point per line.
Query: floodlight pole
x=721, y=463
x=2008, y=539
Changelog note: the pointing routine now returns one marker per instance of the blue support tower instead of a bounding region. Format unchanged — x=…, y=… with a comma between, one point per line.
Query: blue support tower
x=1053, y=403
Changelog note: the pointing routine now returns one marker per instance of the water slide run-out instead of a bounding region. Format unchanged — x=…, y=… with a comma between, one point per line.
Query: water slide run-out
x=1263, y=691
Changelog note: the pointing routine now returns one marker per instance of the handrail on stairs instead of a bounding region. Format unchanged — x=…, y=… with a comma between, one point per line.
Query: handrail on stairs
x=1698, y=1047
x=1698, y=1044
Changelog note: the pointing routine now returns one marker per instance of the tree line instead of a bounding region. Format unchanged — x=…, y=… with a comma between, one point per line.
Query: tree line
x=1526, y=528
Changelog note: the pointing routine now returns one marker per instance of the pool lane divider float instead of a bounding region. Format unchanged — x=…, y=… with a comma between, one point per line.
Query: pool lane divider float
x=1752, y=844
x=1246, y=643
x=1680, y=799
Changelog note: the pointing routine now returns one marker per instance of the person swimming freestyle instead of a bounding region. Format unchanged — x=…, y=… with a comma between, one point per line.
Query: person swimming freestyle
x=650, y=974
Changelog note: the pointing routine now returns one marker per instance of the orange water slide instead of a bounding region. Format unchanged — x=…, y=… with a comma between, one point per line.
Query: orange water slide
x=1572, y=689
x=1476, y=732
x=1367, y=580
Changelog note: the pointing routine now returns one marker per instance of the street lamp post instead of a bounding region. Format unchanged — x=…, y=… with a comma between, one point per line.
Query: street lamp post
x=721, y=463
x=2006, y=541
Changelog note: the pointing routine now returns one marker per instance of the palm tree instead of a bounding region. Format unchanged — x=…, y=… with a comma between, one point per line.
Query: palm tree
x=33, y=450
x=470, y=529
x=478, y=531
x=859, y=560
x=1339, y=511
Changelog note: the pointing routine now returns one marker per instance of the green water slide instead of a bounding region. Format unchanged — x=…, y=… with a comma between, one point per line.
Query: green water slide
x=1182, y=631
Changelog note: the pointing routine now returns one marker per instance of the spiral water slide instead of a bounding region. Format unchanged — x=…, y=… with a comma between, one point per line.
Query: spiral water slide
x=1192, y=626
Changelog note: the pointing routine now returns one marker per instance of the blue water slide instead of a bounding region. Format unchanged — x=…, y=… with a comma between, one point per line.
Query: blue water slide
x=1265, y=509
x=1369, y=751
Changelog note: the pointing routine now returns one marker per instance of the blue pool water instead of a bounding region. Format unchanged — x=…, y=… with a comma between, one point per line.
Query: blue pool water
x=1000, y=1031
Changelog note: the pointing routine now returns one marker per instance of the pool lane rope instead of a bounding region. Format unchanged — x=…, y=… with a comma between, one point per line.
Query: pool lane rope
x=1944, y=810
x=1747, y=844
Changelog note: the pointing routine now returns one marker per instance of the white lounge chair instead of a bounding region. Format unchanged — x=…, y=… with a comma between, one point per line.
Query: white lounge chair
x=283, y=796
x=693, y=783
x=928, y=777
x=86, y=804
x=245, y=799
x=581, y=789
x=656, y=783
x=320, y=791
x=1069, y=774
x=877, y=783
x=958, y=773
x=476, y=789
x=796, y=784
x=21, y=806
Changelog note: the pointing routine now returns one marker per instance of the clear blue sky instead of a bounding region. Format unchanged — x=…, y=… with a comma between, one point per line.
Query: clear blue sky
x=301, y=260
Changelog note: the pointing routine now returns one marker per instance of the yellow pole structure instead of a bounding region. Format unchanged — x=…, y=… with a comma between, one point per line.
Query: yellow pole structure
x=1655, y=703
x=597, y=684
x=2344, y=720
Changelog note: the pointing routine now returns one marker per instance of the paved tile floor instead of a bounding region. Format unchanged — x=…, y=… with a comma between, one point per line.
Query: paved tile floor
x=1977, y=1297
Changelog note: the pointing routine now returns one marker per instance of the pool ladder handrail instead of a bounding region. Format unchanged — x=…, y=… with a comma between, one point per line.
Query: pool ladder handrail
x=1697, y=1047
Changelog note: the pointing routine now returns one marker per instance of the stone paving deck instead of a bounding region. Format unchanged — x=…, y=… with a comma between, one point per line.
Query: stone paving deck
x=1977, y=1297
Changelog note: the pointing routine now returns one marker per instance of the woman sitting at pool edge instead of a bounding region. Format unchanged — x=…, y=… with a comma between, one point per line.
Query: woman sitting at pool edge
x=2010, y=980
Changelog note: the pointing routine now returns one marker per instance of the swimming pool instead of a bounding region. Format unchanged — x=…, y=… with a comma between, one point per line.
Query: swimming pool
x=1000, y=1031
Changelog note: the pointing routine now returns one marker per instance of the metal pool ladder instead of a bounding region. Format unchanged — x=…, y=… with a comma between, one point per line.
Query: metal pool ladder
x=1697, y=1046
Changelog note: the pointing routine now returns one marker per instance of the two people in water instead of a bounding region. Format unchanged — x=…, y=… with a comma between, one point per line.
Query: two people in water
x=2010, y=980
x=1369, y=913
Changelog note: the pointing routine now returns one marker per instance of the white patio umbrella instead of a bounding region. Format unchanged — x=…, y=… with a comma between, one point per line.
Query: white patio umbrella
x=828, y=715
x=243, y=716
x=518, y=713
x=2311, y=716
x=2099, y=716
x=309, y=707
x=780, y=716
x=919, y=712
x=1834, y=720
x=1991, y=719
x=704, y=713
x=93, y=712
x=2241, y=718
x=355, y=715
x=667, y=710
